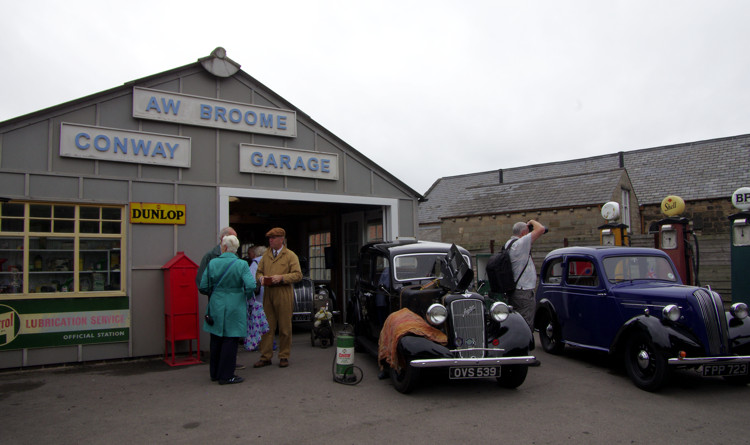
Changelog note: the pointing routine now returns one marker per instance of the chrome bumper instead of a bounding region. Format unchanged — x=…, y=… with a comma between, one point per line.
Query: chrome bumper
x=528, y=360
x=703, y=360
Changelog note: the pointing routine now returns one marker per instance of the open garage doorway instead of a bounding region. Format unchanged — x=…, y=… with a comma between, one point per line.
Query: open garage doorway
x=325, y=231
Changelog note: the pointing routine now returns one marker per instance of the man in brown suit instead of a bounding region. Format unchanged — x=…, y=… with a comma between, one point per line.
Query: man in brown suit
x=278, y=270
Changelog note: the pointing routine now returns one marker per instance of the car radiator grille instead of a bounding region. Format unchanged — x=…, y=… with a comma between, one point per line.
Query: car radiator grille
x=712, y=310
x=468, y=327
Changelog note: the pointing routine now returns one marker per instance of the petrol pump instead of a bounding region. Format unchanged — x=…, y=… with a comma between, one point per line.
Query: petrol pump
x=740, y=248
x=671, y=236
x=611, y=233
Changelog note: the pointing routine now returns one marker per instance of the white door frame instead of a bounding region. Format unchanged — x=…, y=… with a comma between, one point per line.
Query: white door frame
x=390, y=205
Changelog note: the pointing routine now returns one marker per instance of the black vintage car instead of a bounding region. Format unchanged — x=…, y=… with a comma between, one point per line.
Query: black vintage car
x=631, y=303
x=482, y=338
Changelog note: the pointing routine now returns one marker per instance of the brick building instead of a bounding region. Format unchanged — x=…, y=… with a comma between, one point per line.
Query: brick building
x=478, y=210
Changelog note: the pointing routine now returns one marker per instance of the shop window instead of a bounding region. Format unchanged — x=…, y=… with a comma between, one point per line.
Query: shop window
x=60, y=248
x=318, y=243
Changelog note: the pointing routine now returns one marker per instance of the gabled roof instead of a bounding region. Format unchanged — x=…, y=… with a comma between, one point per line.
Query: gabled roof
x=707, y=169
x=219, y=66
x=487, y=196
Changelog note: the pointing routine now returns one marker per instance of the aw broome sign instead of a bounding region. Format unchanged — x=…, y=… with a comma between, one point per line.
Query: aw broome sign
x=204, y=112
x=155, y=213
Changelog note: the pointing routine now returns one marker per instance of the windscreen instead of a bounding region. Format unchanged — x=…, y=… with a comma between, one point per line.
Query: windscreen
x=624, y=268
x=419, y=266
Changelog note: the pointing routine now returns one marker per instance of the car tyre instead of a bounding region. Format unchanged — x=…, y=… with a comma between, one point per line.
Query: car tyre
x=512, y=376
x=549, y=334
x=406, y=379
x=645, y=365
x=739, y=380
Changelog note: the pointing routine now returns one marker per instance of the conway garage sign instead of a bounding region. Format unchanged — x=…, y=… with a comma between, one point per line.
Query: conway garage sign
x=288, y=162
x=110, y=144
x=204, y=112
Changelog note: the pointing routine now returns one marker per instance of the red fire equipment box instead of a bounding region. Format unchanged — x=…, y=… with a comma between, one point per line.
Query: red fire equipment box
x=181, y=309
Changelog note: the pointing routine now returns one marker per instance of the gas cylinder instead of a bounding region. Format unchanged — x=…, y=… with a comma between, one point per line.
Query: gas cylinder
x=344, y=357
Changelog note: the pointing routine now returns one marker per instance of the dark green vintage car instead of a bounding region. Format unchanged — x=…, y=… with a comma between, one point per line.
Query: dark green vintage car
x=482, y=338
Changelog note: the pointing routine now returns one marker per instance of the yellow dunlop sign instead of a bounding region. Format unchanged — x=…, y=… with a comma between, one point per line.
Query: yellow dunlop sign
x=154, y=213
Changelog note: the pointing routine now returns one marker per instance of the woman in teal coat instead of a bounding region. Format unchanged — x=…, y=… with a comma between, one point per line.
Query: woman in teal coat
x=229, y=283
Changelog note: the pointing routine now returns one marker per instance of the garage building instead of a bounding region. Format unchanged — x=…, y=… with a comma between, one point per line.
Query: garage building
x=99, y=193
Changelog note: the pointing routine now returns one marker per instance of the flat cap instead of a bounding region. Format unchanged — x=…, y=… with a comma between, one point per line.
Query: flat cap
x=276, y=231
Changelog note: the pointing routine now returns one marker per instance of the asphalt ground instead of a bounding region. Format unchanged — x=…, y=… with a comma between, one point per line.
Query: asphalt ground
x=148, y=401
x=573, y=398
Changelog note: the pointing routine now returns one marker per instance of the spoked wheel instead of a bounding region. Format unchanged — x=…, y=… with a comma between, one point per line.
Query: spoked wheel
x=645, y=365
x=549, y=335
x=405, y=380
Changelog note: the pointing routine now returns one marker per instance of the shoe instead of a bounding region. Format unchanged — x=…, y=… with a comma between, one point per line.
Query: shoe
x=234, y=379
x=238, y=366
x=261, y=363
x=283, y=363
x=214, y=379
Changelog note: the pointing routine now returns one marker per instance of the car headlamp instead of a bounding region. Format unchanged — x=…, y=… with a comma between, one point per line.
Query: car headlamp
x=499, y=311
x=671, y=312
x=436, y=314
x=739, y=310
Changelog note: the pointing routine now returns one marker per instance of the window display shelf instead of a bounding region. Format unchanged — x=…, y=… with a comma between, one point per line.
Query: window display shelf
x=53, y=265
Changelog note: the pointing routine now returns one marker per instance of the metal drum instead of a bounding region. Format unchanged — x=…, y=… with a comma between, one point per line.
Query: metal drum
x=303, y=300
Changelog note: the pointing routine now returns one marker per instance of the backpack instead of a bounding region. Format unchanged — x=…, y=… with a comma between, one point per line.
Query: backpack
x=500, y=272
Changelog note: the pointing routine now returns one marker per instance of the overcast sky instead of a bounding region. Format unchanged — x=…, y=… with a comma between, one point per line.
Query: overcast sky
x=426, y=89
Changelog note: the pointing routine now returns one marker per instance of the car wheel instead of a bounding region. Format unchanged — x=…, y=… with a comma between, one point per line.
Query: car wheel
x=405, y=380
x=512, y=376
x=739, y=380
x=645, y=365
x=549, y=334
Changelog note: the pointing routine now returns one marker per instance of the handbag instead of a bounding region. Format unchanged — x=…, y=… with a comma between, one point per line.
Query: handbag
x=257, y=326
x=209, y=319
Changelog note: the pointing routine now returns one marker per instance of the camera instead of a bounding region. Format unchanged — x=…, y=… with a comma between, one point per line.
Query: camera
x=209, y=320
x=531, y=228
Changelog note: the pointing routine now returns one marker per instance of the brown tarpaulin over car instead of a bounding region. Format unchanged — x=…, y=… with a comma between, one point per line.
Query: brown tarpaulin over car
x=398, y=324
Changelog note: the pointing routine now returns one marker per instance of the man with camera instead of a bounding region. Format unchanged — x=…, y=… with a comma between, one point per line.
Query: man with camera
x=524, y=271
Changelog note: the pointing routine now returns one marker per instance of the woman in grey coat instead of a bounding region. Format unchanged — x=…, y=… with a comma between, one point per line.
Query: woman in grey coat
x=229, y=283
